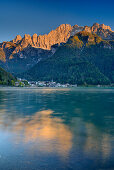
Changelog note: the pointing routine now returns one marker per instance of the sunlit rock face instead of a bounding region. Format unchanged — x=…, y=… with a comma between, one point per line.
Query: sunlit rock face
x=57, y=36
x=19, y=50
x=101, y=30
x=17, y=39
x=35, y=40
x=27, y=40
x=60, y=35
x=20, y=54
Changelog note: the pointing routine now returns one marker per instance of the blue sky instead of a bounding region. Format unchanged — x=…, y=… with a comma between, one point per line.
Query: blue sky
x=41, y=16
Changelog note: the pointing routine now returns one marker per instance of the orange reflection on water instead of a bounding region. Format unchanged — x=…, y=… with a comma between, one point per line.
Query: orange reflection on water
x=42, y=128
x=49, y=134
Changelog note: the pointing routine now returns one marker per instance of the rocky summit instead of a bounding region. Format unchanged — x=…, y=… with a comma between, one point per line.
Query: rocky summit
x=22, y=53
x=57, y=36
x=61, y=35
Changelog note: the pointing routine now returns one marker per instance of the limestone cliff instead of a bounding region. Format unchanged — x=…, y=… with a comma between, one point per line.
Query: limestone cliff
x=35, y=46
x=61, y=35
x=57, y=36
x=101, y=30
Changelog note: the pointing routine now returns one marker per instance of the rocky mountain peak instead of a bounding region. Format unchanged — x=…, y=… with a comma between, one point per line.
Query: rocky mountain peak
x=105, y=27
x=29, y=50
x=102, y=26
x=61, y=34
x=101, y=30
x=17, y=39
x=55, y=38
x=35, y=35
x=27, y=37
x=96, y=24
x=26, y=41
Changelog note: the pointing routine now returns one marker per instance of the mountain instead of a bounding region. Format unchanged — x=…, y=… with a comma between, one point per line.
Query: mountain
x=20, y=54
x=85, y=59
x=101, y=30
x=6, y=78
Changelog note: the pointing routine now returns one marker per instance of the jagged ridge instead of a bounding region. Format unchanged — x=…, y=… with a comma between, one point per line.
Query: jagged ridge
x=29, y=50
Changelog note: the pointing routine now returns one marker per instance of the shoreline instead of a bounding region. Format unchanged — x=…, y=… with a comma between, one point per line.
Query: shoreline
x=58, y=88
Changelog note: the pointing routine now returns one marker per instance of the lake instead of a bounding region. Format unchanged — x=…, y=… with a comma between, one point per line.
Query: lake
x=49, y=128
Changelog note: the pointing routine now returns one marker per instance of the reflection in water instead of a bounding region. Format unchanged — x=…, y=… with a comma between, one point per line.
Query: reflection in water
x=97, y=142
x=77, y=126
x=52, y=133
x=49, y=134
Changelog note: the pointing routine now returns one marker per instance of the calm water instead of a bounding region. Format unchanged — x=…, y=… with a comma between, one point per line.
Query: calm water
x=56, y=129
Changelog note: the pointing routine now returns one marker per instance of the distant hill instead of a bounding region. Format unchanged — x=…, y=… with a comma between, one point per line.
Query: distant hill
x=85, y=59
x=6, y=78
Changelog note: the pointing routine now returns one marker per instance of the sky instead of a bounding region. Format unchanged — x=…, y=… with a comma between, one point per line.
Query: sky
x=41, y=16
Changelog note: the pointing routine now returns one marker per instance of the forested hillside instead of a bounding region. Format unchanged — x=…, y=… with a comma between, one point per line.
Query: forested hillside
x=84, y=59
x=6, y=78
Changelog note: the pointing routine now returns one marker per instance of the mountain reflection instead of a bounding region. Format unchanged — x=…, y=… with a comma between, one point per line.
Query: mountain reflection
x=40, y=128
x=46, y=133
x=59, y=122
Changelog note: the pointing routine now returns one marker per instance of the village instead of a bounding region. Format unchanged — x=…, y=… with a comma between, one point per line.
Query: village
x=25, y=83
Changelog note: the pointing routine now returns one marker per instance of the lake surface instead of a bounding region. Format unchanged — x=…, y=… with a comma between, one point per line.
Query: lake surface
x=57, y=129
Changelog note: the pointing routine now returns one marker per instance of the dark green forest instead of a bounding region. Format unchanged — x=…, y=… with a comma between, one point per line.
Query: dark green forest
x=6, y=78
x=84, y=59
